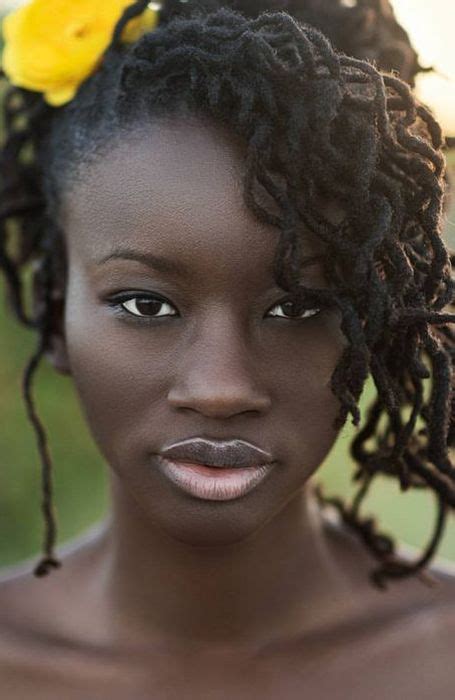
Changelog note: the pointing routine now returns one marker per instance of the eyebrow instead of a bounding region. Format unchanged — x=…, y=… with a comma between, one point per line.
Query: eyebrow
x=155, y=262
x=168, y=266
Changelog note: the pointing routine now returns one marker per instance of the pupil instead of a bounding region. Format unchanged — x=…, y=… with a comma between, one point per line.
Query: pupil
x=148, y=306
x=290, y=309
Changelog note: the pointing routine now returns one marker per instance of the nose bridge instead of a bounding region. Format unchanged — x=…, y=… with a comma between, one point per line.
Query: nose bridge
x=217, y=374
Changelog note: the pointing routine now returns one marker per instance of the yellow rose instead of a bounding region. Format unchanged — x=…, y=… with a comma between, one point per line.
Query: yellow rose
x=52, y=46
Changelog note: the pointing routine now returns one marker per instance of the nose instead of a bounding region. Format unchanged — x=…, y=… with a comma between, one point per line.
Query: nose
x=217, y=376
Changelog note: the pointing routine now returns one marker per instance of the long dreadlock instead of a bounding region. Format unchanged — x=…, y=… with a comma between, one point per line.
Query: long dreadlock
x=316, y=124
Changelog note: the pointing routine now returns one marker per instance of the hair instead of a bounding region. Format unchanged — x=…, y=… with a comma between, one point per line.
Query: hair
x=316, y=125
x=366, y=29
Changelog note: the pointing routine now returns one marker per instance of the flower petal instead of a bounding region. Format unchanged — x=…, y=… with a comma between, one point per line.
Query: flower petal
x=52, y=46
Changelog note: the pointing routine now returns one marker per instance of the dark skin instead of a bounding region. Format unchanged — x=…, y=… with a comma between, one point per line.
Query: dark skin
x=175, y=596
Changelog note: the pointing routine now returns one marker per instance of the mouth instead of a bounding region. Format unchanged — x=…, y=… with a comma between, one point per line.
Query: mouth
x=214, y=483
x=214, y=469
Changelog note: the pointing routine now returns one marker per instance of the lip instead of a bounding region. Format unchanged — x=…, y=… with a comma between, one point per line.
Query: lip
x=215, y=470
x=234, y=453
x=213, y=483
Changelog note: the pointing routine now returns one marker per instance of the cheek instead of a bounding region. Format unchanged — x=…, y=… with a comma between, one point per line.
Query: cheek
x=304, y=399
x=121, y=380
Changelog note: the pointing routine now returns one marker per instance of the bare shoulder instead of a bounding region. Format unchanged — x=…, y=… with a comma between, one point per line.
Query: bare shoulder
x=416, y=651
x=36, y=611
x=426, y=610
x=436, y=592
x=29, y=610
x=412, y=647
x=405, y=639
x=438, y=617
x=23, y=632
x=45, y=650
x=414, y=615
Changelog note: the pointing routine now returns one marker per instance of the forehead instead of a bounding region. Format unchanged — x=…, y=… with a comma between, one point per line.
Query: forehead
x=175, y=187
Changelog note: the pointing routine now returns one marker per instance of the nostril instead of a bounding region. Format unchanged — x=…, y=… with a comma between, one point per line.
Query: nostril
x=218, y=376
x=216, y=402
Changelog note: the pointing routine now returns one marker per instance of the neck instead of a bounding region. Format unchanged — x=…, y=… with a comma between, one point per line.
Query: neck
x=283, y=582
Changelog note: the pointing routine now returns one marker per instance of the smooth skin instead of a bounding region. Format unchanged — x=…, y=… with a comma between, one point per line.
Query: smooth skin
x=177, y=597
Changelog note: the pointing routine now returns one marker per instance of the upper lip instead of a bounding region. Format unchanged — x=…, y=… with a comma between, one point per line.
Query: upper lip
x=217, y=453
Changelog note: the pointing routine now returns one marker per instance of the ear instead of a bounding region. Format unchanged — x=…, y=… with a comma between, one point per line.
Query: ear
x=56, y=350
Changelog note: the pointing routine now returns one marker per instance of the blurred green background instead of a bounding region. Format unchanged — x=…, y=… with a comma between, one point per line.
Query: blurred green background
x=80, y=475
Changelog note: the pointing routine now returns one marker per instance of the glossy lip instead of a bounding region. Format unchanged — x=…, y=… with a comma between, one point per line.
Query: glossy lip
x=228, y=454
x=213, y=483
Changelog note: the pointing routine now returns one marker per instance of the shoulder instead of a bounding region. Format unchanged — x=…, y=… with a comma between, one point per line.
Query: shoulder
x=412, y=613
x=21, y=632
x=25, y=609
x=434, y=592
x=438, y=617
x=413, y=646
x=42, y=650
x=37, y=611
x=426, y=607
x=417, y=651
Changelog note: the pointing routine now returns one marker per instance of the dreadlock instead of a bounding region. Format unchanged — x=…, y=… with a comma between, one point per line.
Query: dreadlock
x=366, y=29
x=316, y=125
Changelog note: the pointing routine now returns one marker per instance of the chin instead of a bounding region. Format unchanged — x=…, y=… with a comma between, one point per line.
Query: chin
x=202, y=523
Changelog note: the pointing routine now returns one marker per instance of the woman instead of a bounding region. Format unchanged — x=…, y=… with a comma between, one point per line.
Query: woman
x=233, y=226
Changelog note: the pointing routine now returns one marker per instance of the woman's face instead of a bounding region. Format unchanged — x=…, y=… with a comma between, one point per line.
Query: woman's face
x=216, y=355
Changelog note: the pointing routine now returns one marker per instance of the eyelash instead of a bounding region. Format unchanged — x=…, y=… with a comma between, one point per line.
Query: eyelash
x=117, y=303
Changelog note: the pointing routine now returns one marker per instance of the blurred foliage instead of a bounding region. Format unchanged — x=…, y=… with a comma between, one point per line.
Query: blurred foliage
x=81, y=477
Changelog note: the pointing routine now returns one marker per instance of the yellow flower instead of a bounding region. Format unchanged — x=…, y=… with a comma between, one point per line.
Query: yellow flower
x=52, y=46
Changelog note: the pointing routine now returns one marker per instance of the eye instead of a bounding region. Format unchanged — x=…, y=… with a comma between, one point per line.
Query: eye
x=145, y=306
x=293, y=310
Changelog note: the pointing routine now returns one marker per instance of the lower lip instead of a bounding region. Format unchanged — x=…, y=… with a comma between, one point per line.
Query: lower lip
x=213, y=483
